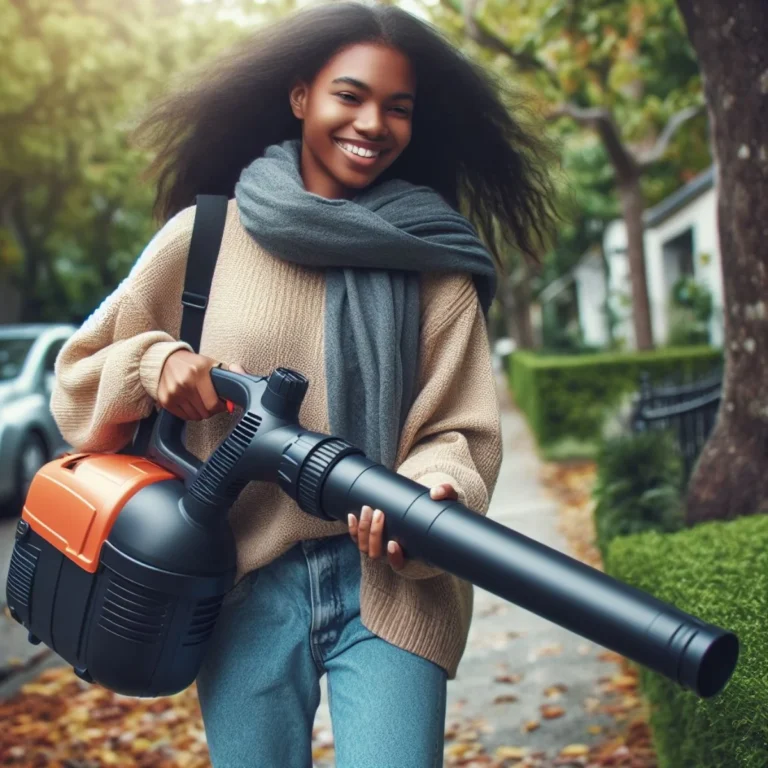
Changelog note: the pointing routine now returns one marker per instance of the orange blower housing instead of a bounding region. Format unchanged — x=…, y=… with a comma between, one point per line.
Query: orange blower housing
x=107, y=567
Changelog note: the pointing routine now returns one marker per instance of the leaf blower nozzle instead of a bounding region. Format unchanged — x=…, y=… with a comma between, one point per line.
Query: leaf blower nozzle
x=122, y=562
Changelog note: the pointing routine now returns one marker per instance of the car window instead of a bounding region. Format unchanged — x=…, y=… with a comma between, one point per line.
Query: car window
x=13, y=353
x=50, y=355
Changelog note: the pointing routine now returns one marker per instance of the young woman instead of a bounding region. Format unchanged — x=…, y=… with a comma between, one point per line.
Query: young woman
x=348, y=138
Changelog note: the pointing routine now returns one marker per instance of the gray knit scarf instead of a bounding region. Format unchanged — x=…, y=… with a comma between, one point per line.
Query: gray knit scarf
x=374, y=247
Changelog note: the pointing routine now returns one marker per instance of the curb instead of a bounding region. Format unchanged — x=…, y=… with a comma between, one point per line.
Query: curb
x=20, y=676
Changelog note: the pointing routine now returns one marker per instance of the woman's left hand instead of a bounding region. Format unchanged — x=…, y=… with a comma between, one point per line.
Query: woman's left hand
x=367, y=532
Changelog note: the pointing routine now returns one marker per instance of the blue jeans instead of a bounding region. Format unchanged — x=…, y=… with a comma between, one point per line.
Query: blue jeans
x=282, y=628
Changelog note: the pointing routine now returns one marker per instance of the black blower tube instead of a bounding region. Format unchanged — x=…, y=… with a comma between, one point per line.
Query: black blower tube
x=697, y=655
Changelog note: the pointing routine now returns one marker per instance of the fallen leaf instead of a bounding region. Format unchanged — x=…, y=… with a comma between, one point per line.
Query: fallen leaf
x=531, y=725
x=458, y=750
x=574, y=750
x=507, y=699
x=510, y=753
x=613, y=709
x=322, y=753
x=493, y=610
x=550, y=712
x=595, y=729
x=555, y=690
x=552, y=649
x=592, y=704
x=508, y=678
x=482, y=725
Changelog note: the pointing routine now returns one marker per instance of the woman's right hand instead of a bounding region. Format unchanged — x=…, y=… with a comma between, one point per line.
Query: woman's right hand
x=186, y=388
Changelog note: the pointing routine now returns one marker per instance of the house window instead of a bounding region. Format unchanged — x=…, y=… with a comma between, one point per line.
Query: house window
x=678, y=255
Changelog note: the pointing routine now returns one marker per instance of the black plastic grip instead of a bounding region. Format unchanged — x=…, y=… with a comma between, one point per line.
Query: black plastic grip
x=237, y=388
x=167, y=442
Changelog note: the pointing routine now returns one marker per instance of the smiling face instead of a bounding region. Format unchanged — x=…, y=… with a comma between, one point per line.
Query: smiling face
x=356, y=115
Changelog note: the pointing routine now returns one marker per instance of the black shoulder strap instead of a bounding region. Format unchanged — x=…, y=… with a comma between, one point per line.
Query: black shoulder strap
x=207, y=233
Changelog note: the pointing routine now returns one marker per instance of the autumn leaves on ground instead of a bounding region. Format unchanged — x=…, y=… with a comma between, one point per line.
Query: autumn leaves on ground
x=58, y=721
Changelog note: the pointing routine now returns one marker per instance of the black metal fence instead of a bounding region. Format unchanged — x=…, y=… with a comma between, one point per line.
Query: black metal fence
x=688, y=410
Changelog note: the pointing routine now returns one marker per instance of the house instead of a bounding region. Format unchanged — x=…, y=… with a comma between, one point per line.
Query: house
x=681, y=238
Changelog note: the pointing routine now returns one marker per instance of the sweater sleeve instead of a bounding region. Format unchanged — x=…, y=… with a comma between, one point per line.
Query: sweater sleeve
x=108, y=372
x=458, y=437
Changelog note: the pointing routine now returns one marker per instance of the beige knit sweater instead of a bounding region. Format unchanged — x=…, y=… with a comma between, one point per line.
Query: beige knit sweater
x=263, y=313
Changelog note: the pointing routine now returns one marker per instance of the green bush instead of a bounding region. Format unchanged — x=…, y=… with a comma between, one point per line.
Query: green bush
x=685, y=329
x=569, y=398
x=687, y=293
x=639, y=486
x=717, y=571
x=689, y=313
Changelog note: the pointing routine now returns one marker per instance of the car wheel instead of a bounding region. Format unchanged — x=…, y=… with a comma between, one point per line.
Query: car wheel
x=31, y=457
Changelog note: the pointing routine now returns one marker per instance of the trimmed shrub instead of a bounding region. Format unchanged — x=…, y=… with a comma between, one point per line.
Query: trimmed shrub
x=717, y=571
x=639, y=486
x=569, y=398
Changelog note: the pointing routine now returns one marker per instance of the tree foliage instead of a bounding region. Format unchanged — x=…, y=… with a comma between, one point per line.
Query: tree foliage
x=620, y=82
x=74, y=212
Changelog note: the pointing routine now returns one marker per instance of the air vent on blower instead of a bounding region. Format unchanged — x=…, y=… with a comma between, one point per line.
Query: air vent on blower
x=21, y=573
x=133, y=612
x=203, y=620
x=207, y=488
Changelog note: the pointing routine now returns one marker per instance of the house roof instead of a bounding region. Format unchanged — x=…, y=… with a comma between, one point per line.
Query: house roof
x=554, y=288
x=652, y=217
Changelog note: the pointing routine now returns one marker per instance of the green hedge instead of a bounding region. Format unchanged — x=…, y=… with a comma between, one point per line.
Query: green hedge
x=638, y=487
x=566, y=399
x=717, y=571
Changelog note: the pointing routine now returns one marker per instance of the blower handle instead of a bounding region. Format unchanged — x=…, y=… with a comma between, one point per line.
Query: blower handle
x=167, y=446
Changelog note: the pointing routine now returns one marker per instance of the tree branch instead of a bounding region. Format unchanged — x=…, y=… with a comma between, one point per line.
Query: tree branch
x=653, y=155
x=601, y=120
x=478, y=32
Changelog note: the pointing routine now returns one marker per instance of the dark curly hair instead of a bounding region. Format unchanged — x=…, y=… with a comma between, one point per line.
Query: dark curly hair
x=466, y=143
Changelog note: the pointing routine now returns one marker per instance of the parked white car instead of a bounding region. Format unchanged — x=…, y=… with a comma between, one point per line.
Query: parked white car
x=29, y=437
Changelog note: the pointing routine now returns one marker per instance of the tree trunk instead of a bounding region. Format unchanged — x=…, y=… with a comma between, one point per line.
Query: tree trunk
x=731, y=41
x=632, y=206
x=518, y=300
x=607, y=310
x=27, y=281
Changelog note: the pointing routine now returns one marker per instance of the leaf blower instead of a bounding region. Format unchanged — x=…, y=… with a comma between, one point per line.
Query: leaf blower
x=121, y=561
